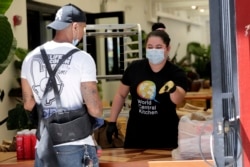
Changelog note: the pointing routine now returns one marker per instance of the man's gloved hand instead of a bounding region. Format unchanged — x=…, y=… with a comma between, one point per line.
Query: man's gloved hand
x=111, y=129
x=168, y=87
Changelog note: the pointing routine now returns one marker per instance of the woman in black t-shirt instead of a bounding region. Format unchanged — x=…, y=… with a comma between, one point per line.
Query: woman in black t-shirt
x=156, y=87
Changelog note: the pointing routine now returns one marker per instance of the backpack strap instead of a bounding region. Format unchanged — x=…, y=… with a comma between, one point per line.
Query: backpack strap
x=52, y=81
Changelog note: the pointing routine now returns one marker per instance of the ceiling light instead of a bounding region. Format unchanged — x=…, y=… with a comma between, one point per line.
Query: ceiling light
x=202, y=10
x=194, y=7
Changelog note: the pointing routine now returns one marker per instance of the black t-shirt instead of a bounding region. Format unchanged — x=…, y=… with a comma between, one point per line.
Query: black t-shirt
x=153, y=122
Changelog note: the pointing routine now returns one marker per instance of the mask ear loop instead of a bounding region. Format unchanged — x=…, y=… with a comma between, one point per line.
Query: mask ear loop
x=75, y=40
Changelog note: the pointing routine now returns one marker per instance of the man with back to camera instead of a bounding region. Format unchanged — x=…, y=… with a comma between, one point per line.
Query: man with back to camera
x=158, y=26
x=76, y=83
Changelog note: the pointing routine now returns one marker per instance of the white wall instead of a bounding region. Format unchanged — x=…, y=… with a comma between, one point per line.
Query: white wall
x=136, y=11
x=20, y=31
x=86, y=5
x=183, y=33
x=8, y=77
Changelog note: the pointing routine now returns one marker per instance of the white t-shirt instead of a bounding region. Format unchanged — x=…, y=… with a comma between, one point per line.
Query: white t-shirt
x=80, y=67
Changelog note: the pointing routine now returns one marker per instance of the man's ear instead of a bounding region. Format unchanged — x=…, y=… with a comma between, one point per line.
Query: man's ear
x=74, y=27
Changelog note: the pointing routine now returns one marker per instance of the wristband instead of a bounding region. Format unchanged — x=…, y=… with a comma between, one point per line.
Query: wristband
x=168, y=87
x=112, y=123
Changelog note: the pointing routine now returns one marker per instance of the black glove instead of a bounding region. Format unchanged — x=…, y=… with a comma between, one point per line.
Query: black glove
x=168, y=87
x=111, y=129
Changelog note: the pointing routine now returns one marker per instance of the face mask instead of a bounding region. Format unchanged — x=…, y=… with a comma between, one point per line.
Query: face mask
x=155, y=56
x=75, y=42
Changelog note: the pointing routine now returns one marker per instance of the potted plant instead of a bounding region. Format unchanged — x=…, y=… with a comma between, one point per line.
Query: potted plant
x=196, y=63
x=201, y=55
x=18, y=118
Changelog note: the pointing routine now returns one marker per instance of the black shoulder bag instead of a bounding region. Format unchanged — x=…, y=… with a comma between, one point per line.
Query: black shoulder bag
x=64, y=125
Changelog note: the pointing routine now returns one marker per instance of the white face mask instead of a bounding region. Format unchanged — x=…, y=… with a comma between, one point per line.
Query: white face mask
x=75, y=42
x=155, y=56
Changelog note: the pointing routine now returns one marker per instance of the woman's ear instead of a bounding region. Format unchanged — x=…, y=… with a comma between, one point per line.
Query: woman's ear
x=168, y=48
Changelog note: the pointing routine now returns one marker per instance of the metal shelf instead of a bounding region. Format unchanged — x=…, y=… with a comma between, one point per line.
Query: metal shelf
x=109, y=76
x=111, y=26
x=117, y=31
x=110, y=34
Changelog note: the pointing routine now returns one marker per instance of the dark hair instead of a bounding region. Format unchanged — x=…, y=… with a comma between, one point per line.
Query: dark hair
x=157, y=25
x=162, y=34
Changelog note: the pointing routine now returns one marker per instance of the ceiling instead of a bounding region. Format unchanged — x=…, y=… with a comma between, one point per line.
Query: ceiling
x=185, y=5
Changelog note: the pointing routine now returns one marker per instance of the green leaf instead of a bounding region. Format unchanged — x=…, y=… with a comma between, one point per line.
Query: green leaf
x=21, y=53
x=193, y=48
x=9, y=57
x=4, y=5
x=6, y=39
x=7, y=43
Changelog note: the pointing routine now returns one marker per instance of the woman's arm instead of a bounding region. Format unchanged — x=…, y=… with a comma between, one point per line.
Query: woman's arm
x=178, y=95
x=118, y=102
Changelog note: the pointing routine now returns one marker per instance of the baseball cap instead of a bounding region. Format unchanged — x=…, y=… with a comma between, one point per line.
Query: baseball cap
x=67, y=15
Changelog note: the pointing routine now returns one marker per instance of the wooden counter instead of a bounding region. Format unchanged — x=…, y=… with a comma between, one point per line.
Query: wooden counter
x=189, y=163
x=132, y=157
x=118, y=157
x=202, y=95
x=199, y=95
x=8, y=159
